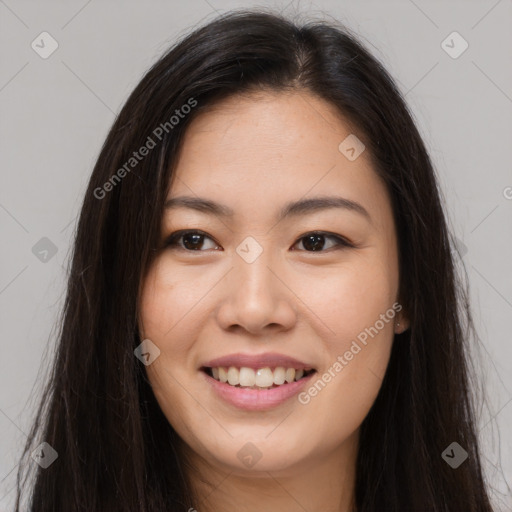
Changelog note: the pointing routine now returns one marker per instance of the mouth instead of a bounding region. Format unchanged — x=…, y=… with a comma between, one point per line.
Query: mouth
x=264, y=378
x=256, y=382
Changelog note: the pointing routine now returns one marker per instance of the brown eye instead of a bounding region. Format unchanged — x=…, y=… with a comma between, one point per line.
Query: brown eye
x=315, y=241
x=192, y=240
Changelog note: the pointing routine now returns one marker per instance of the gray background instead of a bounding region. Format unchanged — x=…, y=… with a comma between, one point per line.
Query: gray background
x=56, y=113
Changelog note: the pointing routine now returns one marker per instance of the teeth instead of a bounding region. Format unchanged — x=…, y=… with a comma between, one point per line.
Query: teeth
x=290, y=374
x=247, y=377
x=264, y=378
x=223, y=375
x=233, y=376
x=261, y=378
x=279, y=375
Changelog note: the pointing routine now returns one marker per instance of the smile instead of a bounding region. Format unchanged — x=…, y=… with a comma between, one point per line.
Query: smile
x=257, y=379
x=257, y=390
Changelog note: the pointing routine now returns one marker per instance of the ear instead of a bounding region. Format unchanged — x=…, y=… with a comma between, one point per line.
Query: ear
x=402, y=322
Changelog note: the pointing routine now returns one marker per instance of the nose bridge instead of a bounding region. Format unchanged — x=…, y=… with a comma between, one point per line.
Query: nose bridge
x=256, y=282
x=255, y=297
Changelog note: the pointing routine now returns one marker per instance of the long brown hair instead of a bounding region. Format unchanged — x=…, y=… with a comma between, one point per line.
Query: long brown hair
x=116, y=450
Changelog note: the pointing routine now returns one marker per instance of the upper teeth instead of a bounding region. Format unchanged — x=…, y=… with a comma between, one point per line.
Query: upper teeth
x=262, y=378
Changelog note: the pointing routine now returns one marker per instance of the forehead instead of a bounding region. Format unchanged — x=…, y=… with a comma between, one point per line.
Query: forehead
x=260, y=151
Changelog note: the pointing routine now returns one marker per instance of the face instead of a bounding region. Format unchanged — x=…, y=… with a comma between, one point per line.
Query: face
x=298, y=310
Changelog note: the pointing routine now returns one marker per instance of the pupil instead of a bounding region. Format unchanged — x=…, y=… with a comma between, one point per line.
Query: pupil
x=313, y=242
x=195, y=237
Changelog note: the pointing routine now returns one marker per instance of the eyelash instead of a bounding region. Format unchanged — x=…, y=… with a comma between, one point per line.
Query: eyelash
x=172, y=240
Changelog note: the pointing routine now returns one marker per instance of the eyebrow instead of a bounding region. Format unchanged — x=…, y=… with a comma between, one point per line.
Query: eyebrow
x=291, y=209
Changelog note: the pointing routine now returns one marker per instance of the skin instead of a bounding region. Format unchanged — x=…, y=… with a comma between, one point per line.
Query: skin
x=254, y=153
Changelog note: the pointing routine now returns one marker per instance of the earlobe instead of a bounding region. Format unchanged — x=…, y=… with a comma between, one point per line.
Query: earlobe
x=401, y=325
x=401, y=318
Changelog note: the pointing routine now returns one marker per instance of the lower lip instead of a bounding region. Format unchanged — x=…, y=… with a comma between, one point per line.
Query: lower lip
x=257, y=399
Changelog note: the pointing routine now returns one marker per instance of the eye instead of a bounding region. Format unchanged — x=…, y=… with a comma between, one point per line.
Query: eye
x=193, y=240
x=314, y=241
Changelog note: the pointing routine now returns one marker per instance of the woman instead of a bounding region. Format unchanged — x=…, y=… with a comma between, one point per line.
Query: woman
x=262, y=310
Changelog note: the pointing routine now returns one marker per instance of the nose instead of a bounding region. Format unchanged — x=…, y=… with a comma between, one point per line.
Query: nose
x=256, y=299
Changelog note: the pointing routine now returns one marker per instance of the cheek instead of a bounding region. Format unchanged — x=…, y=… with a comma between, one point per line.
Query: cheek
x=166, y=309
x=169, y=301
x=155, y=304
x=357, y=306
x=164, y=305
x=351, y=299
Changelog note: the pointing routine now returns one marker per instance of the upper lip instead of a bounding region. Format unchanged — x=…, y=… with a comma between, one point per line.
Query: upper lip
x=269, y=359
